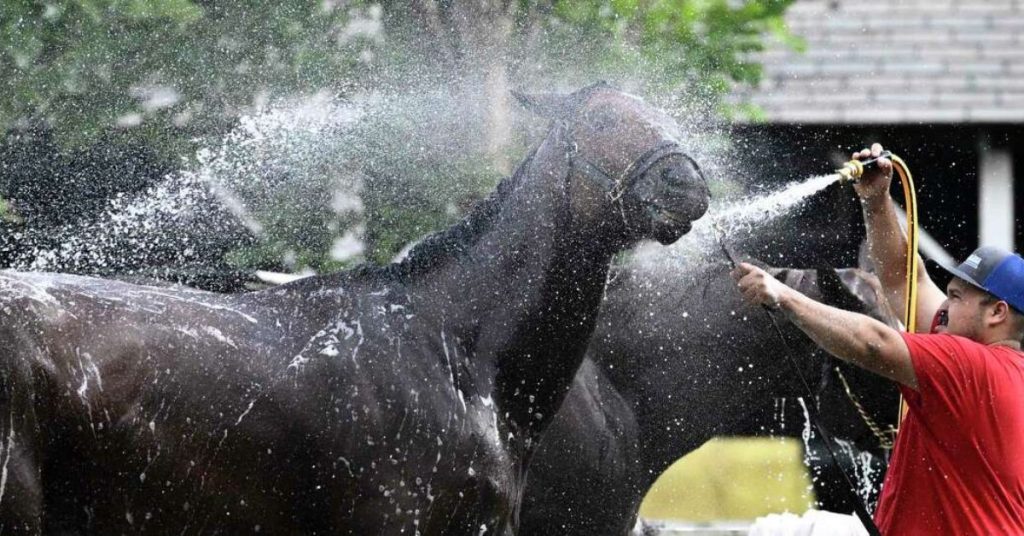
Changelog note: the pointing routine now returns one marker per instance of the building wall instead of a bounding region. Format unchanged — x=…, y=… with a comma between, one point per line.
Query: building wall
x=897, y=61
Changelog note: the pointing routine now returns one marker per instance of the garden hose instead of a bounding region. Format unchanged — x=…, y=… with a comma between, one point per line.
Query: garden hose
x=851, y=172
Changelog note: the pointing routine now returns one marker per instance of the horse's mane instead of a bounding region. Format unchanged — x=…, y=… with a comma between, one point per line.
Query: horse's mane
x=440, y=246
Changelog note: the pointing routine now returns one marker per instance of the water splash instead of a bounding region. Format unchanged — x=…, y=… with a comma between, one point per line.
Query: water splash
x=744, y=215
x=283, y=167
x=733, y=218
x=865, y=466
x=866, y=472
x=807, y=434
x=281, y=151
x=123, y=232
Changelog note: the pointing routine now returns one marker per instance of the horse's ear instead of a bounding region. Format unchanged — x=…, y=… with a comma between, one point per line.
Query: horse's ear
x=842, y=289
x=867, y=289
x=549, y=105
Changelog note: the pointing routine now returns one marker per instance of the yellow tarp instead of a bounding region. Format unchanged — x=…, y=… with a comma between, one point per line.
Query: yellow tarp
x=732, y=478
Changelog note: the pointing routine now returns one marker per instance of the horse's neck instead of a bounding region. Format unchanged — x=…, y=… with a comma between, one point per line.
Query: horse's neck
x=682, y=400
x=719, y=396
x=522, y=298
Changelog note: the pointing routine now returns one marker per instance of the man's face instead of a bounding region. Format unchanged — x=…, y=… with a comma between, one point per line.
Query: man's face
x=964, y=309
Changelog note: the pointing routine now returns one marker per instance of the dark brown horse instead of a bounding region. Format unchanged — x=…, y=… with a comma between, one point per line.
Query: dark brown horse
x=398, y=400
x=678, y=358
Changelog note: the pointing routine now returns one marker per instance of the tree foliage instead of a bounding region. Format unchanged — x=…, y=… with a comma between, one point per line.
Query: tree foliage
x=704, y=44
x=168, y=68
x=175, y=75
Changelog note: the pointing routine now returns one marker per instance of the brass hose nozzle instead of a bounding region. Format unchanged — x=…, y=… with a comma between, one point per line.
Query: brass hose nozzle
x=854, y=169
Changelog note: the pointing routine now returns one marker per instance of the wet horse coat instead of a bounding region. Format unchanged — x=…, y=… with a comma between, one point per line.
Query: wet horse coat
x=398, y=400
x=677, y=358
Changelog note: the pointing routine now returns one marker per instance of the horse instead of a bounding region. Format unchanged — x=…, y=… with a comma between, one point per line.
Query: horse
x=397, y=399
x=678, y=358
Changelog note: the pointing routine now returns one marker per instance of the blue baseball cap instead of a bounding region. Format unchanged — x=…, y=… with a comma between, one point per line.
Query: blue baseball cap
x=996, y=271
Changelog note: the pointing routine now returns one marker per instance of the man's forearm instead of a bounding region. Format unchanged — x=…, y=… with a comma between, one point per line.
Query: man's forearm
x=851, y=337
x=887, y=245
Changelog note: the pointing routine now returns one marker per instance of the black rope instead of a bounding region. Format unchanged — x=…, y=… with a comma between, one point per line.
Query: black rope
x=858, y=505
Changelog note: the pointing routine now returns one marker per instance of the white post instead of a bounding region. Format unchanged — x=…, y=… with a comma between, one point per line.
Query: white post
x=995, y=197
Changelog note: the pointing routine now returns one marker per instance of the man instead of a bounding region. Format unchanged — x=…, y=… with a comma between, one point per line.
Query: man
x=958, y=463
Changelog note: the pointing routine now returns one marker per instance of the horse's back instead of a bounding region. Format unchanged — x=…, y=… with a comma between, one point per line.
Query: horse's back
x=295, y=399
x=130, y=394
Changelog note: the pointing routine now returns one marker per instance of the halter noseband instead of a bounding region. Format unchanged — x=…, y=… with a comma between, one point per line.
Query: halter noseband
x=617, y=186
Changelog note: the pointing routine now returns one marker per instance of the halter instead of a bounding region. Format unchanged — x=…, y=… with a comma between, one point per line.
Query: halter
x=617, y=186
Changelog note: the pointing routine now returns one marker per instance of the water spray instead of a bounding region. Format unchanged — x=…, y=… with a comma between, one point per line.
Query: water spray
x=851, y=172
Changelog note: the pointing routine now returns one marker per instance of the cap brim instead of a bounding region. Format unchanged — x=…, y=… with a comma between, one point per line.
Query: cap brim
x=960, y=274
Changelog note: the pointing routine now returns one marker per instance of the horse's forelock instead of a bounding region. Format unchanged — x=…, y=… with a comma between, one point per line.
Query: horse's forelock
x=580, y=97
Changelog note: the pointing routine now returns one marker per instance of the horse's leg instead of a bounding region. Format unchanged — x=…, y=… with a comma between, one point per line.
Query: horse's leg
x=21, y=494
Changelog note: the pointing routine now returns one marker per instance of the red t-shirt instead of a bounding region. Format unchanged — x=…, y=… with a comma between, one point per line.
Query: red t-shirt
x=958, y=464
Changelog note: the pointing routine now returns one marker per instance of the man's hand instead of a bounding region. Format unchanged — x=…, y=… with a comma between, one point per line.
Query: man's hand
x=874, y=184
x=759, y=287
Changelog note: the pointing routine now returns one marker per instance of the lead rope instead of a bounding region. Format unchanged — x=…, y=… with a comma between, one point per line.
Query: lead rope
x=858, y=505
x=886, y=438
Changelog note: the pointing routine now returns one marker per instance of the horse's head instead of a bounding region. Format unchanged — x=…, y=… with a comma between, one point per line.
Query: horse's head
x=627, y=165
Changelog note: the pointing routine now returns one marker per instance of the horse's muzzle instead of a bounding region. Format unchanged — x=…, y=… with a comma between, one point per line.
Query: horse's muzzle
x=676, y=194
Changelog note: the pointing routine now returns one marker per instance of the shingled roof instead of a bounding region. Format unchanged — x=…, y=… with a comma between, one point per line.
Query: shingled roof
x=911, y=61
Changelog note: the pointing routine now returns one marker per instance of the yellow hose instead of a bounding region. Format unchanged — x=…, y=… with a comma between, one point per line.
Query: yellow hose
x=910, y=293
x=852, y=171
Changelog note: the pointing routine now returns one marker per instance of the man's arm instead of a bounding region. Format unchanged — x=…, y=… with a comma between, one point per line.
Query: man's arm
x=887, y=243
x=852, y=337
